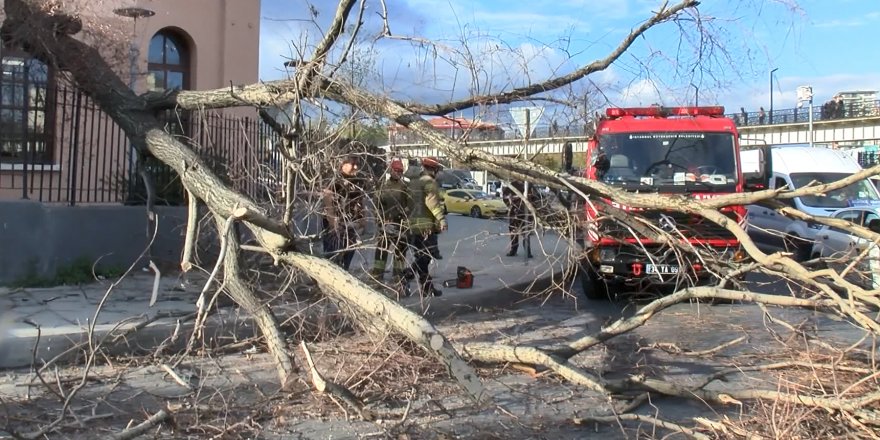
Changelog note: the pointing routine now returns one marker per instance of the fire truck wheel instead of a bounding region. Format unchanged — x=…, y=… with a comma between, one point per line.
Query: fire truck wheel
x=800, y=248
x=593, y=286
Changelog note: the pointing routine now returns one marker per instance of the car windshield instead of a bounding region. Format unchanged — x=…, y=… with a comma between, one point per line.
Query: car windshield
x=705, y=161
x=479, y=195
x=861, y=193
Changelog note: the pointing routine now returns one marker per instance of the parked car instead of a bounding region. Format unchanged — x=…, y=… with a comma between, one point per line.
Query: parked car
x=795, y=167
x=494, y=188
x=473, y=202
x=453, y=178
x=839, y=248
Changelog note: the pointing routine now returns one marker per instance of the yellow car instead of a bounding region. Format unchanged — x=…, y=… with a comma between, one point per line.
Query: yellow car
x=473, y=202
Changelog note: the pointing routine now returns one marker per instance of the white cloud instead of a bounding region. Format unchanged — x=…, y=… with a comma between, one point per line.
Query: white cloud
x=641, y=92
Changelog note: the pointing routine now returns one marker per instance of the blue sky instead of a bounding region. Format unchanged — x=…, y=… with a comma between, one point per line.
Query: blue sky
x=825, y=44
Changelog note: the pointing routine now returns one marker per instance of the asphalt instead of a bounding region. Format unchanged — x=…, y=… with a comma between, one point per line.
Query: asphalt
x=45, y=323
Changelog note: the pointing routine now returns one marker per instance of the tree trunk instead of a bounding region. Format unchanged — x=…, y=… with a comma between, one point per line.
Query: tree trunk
x=244, y=296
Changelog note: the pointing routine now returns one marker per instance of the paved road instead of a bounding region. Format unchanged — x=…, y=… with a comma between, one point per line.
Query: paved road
x=57, y=318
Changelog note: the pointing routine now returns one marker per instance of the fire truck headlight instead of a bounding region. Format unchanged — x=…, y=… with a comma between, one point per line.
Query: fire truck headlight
x=733, y=255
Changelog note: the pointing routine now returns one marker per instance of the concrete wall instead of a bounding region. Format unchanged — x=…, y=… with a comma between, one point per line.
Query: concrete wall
x=41, y=238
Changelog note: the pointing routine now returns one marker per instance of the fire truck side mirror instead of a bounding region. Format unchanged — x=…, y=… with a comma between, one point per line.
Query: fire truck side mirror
x=592, y=152
x=757, y=168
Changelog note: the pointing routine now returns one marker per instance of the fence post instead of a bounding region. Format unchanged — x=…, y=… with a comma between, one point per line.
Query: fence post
x=24, y=163
x=74, y=146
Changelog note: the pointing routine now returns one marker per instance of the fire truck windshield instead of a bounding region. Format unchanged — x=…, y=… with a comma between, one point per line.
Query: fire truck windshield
x=668, y=161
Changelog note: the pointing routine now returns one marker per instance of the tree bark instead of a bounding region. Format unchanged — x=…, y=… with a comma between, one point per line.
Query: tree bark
x=371, y=308
x=244, y=296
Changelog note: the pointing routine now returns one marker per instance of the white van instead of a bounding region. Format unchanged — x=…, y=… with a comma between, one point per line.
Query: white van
x=797, y=166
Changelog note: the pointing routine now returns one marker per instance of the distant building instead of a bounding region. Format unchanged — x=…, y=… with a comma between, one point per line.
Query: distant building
x=859, y=103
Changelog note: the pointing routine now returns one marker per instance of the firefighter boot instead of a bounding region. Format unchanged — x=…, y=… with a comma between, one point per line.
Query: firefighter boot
x=428, y=288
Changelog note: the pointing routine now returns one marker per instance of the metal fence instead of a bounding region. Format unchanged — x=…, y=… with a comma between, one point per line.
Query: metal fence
x=74, y=153
x=799, y=115
x=551, y=129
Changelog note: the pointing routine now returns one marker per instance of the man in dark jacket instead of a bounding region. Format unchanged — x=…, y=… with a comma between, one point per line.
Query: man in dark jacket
x=518, y=216
x=426, y=219
x=344, y=202
x=394, y=203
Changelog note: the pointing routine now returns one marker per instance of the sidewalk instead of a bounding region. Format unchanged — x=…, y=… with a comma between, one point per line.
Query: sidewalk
x=63, y=314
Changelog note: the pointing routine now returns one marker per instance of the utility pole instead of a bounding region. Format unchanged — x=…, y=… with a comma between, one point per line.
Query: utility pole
x=805, y=93
x=527, y=236
x=771, y=94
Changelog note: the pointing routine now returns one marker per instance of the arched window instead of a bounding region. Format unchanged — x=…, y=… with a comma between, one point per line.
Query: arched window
x=169, y=63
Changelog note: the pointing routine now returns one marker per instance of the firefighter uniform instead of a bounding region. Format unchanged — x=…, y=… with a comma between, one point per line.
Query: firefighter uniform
x=518, y=216
x=426, y=219
x=394, y=204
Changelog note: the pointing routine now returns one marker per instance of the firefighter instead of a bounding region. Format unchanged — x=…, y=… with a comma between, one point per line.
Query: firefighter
x=518, y=216
x=426, y=219
x=394, y=203
x=344, y=200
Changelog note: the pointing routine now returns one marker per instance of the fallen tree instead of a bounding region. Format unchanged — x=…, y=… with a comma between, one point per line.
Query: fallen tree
x=30, y=26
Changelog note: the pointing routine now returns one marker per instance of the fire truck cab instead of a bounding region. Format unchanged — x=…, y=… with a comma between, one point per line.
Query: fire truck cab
x=689, y=151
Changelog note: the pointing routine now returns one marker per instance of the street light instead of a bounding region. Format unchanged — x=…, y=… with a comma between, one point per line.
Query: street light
x=771, y=93
x=133, y=13
x=696, y=95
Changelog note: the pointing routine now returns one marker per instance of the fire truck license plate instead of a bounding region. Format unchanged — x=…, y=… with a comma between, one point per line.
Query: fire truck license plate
x=661, y=268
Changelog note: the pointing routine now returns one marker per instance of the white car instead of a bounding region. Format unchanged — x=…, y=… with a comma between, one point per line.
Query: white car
x=840, y=248
x=795, y=167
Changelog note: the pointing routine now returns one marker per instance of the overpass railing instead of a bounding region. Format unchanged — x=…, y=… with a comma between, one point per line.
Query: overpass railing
x=798, y=115
x=742, y=119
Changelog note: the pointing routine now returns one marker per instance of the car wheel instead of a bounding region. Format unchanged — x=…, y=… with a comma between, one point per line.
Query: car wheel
x=592, y=285
x=820, y=264
x=800, y=248
x=476, y=213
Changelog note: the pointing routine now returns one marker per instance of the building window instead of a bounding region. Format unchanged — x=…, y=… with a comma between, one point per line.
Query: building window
x=169, y=69
x=25, y=109
x=168, y=62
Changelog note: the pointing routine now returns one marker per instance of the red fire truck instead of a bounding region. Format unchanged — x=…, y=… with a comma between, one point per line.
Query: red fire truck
x=691, y=151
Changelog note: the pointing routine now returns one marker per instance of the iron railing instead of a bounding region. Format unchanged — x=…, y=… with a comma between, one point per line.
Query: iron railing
x=800, y=115
x=551, y=129
x=84, y=157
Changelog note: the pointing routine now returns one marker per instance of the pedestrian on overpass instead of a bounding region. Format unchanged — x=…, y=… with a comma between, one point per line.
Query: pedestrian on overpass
x=426, y=220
